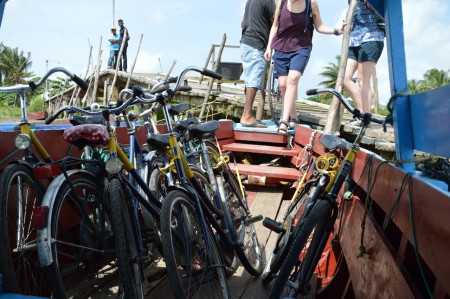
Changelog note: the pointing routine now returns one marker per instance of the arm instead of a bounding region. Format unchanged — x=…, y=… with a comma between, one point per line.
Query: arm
x=320, y=26
x=273, y=31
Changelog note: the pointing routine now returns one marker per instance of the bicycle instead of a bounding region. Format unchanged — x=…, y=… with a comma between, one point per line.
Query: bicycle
x=316, y=221
x=20, y=192
x=119, y=214
x=190, y=251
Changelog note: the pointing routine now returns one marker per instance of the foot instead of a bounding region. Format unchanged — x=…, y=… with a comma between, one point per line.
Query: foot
x=292, y=123
x=253, y=123
x=283, y=128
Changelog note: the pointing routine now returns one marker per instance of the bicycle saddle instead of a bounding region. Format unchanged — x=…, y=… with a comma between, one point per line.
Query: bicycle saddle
x=178, y=108
x=332, y=142
x=82, y=120
x=159, y=140
x=87, y=134
x=184, y=124
x=204, y=128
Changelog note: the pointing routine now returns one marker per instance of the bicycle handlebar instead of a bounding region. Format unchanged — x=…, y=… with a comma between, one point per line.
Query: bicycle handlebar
x=137, y=93
x=32, y=85
x=355, y=112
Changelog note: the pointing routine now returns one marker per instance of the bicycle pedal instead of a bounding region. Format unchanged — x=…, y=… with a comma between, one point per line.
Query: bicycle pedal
x=253, y=219
x=273, y=225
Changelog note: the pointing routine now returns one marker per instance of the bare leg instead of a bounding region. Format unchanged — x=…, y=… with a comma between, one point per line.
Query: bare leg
x=290, y=95
x=350, y=86
x=367, y=68
x=247, y=118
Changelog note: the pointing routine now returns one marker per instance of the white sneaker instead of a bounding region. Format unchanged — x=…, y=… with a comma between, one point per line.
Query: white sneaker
x=355, y=123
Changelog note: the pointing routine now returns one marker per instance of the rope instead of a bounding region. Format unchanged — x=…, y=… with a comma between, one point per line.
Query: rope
x=9, y=156
x=389, y=118
x=407, y=179
x=362, y=248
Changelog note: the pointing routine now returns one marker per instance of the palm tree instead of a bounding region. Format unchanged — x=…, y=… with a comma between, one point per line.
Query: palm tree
x=330, y=73
x=435, y=78
x=415, y=86
x=14, y=65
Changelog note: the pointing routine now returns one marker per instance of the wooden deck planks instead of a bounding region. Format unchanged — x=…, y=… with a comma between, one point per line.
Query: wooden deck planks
x=242, y=284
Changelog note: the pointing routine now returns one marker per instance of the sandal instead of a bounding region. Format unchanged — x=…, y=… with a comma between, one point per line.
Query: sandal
x=283, y=131
x=293, y=122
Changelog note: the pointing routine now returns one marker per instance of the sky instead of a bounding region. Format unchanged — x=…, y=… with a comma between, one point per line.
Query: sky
x=61, y=32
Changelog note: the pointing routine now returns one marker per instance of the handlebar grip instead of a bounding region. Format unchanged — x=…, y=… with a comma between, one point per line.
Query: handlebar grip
x=185, y=88
x=172, y=80
x=80, y=82
x=50, y=119
x=311, y=92
x=161, y=88
x=209, y=73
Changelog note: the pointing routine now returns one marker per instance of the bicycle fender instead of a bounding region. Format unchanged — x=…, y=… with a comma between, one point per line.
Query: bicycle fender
x=21, y=162
x=43, y=238
x=189, y=191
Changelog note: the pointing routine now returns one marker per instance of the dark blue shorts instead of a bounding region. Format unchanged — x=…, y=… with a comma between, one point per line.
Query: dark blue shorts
x=297, y=61
x=368, y=51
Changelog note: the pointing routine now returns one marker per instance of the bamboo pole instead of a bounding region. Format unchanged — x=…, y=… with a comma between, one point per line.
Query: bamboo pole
x=335, y=111
x=134, y=63
x=211, y=81
x=160, y=65
x=376, y=98
x=211, y=51
x=97, y=72
x=116, y=73
x=76, y=90
x=171, y=69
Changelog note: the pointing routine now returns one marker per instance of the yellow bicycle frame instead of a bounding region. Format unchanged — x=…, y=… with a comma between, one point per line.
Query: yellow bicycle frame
x=26, y=130
x=350, y=157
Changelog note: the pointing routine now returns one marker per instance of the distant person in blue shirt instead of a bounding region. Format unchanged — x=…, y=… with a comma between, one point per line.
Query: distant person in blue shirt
x=114, y=47
x=366, y=46
x=123, y=60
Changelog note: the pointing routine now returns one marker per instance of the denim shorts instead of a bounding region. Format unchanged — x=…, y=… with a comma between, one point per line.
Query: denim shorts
x=368, y=51
x=253, y=63
x=297, y=61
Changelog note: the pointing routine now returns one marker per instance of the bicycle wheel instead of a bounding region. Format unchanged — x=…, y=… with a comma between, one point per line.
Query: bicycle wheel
x=284, y=239
x=83, y=245
x=128, y=259
x=314, y=229
x=249, y=252
x=19, y=194
x=193, y=270
x=158, y=184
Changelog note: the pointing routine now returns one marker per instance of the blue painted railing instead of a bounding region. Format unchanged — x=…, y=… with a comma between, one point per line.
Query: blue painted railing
x=420, y=120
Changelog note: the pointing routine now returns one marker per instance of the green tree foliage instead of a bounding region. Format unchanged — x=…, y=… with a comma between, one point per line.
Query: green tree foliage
x=14, y=69
x=58, y=86
x=432, y=78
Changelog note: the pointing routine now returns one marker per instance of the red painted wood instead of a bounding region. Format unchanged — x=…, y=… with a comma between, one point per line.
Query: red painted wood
x=267, y=171
x=377, y=274
x=260, y=137
x=226, y=129
x=260, y=149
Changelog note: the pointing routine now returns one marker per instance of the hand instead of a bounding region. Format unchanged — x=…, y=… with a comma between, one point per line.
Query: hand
x=268, y=54
x=341, y=28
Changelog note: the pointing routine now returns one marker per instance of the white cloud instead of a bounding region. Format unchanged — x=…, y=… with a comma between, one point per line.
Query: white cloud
x=147, y=62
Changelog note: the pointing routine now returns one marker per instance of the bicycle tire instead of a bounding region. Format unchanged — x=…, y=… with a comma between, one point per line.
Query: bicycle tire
x=249, y=252
x=315, y=223
x=284, y=239
x=187, y=261
x=20, y=192
x=83, y=243
x=127, y=255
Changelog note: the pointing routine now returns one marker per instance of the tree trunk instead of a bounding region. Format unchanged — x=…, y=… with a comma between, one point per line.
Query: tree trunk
x=335, y=111
x=376, y=99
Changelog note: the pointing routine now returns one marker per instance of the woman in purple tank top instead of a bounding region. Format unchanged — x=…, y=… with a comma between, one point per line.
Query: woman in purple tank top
x=291, y=39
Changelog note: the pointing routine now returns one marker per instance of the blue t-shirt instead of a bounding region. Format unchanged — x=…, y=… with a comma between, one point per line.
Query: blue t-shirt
x=365, y=27
x=114, y=46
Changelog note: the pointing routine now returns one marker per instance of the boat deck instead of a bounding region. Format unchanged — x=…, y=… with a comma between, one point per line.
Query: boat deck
x=267, y=202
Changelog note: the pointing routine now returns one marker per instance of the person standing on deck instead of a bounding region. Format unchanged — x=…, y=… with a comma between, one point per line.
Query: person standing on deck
x=291, y=39
x=256, y=24
x=366, y=46
x=123, y=59
x=114, y=46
